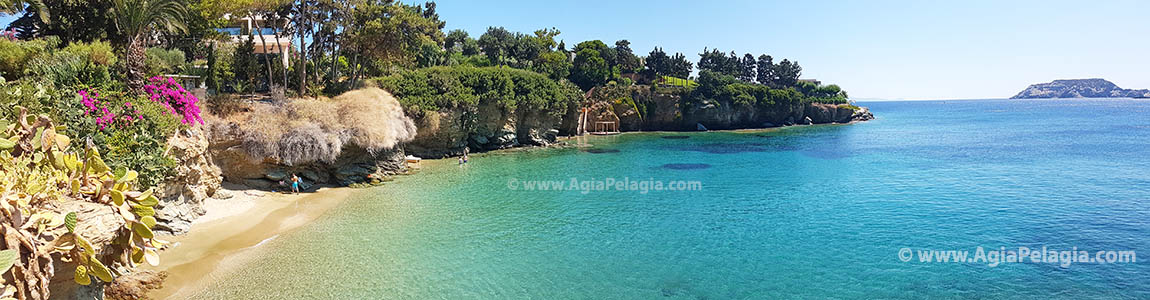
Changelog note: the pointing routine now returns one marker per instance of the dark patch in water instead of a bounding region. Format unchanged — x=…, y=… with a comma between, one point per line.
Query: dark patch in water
x=686, y=166
x=676, y=137
x=724, y=148
x=600, y=151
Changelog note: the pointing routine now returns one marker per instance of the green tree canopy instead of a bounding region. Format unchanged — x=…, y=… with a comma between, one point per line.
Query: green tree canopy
x=589, y=69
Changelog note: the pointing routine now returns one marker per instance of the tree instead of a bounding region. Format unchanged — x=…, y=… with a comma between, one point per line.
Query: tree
x=625, y=58
x=554, y=64
x=244, y=65
x=605, y=52
x=136, y=18
x=715, y=61
x=590, y=69
x=748, y=73
x=393, y=33
x=36, y=7
x=787, y=73
x=496, y=43
x=658, y=64
x=455, y=40
x=679, y=67
x=766, y=70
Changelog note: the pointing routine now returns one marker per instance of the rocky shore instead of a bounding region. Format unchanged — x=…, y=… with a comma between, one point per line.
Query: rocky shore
x=211, y=155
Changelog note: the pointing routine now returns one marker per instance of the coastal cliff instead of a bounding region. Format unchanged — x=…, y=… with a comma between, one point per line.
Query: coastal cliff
x=643, y=108
x=480, y=109
x=1079, y=88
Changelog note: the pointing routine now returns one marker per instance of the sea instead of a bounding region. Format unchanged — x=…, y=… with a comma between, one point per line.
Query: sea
x=1026, y=199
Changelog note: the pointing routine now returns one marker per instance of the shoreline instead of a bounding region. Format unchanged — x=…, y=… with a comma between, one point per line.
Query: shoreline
x=231, y=228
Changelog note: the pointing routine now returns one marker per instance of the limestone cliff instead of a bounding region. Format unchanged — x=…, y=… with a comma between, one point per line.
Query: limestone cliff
x=488, y=126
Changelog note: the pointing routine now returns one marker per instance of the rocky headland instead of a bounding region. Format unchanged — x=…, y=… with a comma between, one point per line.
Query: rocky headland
x=1079, y=88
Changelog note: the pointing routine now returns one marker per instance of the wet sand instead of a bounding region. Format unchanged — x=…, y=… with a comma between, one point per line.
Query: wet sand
x=233, y=229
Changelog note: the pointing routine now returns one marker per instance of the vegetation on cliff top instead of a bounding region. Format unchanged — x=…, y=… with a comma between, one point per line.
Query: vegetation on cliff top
x=433, y=89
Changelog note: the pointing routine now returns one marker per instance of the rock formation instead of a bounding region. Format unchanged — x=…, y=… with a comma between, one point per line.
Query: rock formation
x=195, y=179
x=1079, y=88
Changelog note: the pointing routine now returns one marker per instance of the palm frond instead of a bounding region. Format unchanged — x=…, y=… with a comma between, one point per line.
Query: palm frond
x=136, y=17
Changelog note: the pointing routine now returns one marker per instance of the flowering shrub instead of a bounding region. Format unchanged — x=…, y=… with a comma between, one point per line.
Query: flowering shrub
x=179, y=102
x=105, y=116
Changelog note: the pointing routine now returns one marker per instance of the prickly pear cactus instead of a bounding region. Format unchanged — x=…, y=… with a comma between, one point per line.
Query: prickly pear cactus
x=39, y=166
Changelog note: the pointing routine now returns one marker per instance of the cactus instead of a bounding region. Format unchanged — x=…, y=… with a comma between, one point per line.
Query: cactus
x=40, y=166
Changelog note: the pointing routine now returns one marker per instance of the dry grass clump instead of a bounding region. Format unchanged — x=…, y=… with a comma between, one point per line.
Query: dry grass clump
x=302, y=131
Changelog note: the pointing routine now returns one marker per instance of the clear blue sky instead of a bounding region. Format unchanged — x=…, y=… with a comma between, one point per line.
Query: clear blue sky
x=873, y=49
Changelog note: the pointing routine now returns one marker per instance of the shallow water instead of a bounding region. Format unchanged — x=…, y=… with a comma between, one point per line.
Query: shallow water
x=801, y=212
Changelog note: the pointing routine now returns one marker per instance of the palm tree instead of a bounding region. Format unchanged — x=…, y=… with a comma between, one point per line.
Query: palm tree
x=135, y=19
x=13, y=7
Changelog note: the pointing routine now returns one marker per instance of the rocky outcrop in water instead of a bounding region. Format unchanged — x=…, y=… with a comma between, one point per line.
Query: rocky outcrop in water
x=1079, y=88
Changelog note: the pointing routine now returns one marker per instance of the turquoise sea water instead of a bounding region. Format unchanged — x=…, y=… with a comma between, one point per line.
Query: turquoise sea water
x=801, y=212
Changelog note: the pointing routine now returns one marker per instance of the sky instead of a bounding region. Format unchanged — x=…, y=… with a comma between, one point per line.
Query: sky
x=971, y=49
x=893, y=50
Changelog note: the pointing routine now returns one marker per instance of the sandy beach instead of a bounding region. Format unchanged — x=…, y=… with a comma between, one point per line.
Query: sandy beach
x=233, y=227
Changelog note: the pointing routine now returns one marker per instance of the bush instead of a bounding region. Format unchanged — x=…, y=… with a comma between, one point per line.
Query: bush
x=725, y=89
x=220, y=67
x=303, y=131
x=436, y=88
x=37, y=97
x=133, y=136
x=161, y=61
x=178, y=101
x=15, y=55
x=79, y=63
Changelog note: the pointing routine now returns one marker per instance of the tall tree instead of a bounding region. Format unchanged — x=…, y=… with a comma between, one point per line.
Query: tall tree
x=748, y=68
x=496, y=43
x=136, y=18
x=680, y=67
x=715, y=61
x=392, y=33
x=766, y=70
x=626, y=59
x=787, y=73
x=657, y=64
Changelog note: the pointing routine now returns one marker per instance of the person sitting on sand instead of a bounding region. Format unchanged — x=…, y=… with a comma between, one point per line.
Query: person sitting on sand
x=295, y=183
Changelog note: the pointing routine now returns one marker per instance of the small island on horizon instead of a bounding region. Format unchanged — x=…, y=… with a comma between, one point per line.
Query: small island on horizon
x=1079, y=88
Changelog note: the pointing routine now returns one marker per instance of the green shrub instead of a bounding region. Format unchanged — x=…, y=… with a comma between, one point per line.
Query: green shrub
x=16, y=55
x=436, y=88
x=37, y=97
x=79, y=63
x=98, y=52
x=139, y=146
x=161, y=61
x=718, y=88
